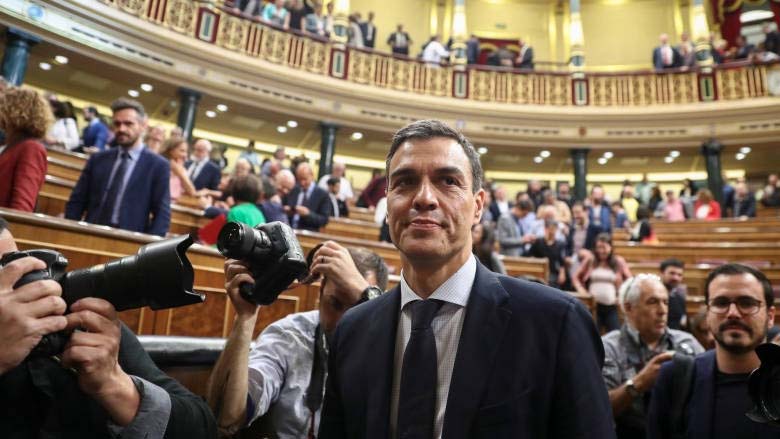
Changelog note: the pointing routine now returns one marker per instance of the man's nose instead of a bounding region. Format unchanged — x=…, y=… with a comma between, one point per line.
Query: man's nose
x=425, y=198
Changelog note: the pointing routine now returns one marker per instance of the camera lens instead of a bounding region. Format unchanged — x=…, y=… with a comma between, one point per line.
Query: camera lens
x=239, y=241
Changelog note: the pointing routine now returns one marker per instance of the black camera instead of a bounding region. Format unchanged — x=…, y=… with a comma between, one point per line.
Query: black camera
x=159, y=276
x=764, y=386
x=271, y=251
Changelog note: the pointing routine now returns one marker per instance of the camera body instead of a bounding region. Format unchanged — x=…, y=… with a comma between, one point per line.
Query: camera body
x=159, y=276
x=271, y=251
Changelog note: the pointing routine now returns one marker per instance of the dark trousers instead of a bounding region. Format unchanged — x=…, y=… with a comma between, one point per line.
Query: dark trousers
x=607, y=317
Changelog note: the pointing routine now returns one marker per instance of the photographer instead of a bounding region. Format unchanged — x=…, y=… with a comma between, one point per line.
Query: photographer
x=102, y=385
x=284, y=383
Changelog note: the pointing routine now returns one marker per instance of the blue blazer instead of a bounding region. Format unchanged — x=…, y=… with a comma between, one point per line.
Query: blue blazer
x=208, y=177
x=528, y=366
x=319, y=207
x=594, y=230
x=146, y=203
x=96, y=135
x=700, y=406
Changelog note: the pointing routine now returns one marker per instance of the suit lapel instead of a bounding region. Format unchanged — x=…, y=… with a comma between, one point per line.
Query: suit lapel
x=702, y=399
x=487, y=317
x=384, y=324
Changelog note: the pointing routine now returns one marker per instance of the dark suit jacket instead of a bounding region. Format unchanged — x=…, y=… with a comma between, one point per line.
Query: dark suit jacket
x=594, y=230
x=319, y=208
x=658, y=60
x=364, y=29
x=148, y=192
x=700, y=406
x=208, y=177
x=528, y=366
x=528, y=59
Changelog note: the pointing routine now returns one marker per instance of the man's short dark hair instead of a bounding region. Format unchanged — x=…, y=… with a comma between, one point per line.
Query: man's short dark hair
x=733, y=269
x=92, y=110
x=429, y=129
x=125, y=104
x=672, y=262
x=525, y=205
x=246, y=188
x=332, y=181
x=367, y=261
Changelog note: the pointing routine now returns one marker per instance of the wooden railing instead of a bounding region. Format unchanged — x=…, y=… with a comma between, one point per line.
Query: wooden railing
x=211, y=22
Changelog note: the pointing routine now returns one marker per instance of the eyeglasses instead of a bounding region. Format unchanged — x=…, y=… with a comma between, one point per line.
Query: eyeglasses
x=745, y=305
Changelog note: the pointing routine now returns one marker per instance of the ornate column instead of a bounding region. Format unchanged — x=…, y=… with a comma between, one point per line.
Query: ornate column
x=711, y=150
x=576, y=37
x=579, y=160
x=17, y=52
x=700, y=33
x=188, y=108
x=340, y=22
x=327, y=147
x=458, y=55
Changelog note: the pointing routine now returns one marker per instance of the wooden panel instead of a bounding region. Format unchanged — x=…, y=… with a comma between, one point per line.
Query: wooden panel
x=696, y=274
x=76, y=159
x=202, y=320
x=63, y=169
x=700, y=252
x=768, y=234
x=361, y=214
x=350, y=228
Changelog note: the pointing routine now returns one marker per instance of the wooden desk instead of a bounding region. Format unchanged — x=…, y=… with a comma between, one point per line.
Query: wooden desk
x=700, y=252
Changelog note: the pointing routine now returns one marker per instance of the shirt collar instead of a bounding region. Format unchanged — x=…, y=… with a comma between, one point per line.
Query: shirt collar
x=633, y=335
x=134, y=151
x=454, y=290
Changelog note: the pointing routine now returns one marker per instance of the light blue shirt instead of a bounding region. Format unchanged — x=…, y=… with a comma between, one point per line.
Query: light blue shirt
x=135, y=154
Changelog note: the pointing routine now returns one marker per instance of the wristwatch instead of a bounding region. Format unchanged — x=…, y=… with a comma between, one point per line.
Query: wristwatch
x=369, y=293
x=632, y=390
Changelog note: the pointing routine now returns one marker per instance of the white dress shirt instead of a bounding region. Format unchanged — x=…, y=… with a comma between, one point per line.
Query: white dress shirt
x=65, y=132
x=447, y=325
x=434, y=52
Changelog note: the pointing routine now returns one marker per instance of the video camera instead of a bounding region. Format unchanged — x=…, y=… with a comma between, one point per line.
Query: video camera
x=271, y=251
x=159, y=276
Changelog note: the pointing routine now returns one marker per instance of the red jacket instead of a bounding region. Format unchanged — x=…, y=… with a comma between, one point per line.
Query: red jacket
x=22, y=173
x=714, y=213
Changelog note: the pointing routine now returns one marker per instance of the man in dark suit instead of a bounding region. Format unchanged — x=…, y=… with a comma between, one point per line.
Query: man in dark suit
x=96, y=133
x=456, y=351
x=771, y=39
x=126, y=187
x=599, y=216
x=307, y=205
x=202, y=171
x=399, y=41
x=525, y=59
x=665, y=56
x=369, y=30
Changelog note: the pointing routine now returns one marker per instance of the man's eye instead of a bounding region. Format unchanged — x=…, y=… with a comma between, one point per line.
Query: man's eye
x=450, y=181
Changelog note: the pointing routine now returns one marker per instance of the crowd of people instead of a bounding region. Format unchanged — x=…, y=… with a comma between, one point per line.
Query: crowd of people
x=365, y=363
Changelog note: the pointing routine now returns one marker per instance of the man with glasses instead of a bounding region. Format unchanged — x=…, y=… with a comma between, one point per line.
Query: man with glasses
x=739, y=312
x=634, y=354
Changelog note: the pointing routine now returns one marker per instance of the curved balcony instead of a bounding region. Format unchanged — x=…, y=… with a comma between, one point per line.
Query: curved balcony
x=215, y=24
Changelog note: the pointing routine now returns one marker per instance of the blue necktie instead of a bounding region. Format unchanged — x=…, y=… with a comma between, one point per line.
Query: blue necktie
x=417, y=399
x=110, y=200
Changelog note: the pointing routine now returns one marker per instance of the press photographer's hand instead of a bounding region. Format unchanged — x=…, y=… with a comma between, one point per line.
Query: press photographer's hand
x=26, y=313
x=93, y=351
x=333, y=262
x=236, y=273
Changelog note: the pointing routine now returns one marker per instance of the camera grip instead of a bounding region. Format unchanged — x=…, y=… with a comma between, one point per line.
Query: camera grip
x=246, y=289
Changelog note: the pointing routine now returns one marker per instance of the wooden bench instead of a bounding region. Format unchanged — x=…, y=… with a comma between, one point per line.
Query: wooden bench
x=721, y=234
x=700, y=252
x=351, y=228
x=74, y=158
x=696, y=274
x=361, y=214
x=63, y=169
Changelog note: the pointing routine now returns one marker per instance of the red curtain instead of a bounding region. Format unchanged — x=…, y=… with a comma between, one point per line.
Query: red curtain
x=775, y=5
x=490, y=45
x=727, y=14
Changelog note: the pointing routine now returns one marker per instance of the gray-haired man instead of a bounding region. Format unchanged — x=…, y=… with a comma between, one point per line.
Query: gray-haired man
x=633, y=354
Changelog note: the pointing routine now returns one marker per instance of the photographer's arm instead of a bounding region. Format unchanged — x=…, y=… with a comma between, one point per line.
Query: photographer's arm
x=228, y=384
x=27, y=313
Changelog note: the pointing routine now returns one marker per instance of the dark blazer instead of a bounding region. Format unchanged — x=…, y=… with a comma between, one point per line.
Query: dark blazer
x=528, y=59
x=700, y=405
x=319, y=208
x=96, y=135
x=148, y=192
x=364, y=29
x=594, y=230
x=658, y=60
x=746, y=206
x=208, y=177
x=528, y=366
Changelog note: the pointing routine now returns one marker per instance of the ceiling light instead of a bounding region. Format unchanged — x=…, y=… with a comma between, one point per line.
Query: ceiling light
x=482, y=150
x=608, y=155
x=674, y=154
x=745, y=150
x=222, y=107
x=60, y=59
x=147, y=87
x=538, y=159
x=602, y=160
x=44, y=66
x=282, y=129
x=544, y=154
x=133, y=93
x=356, y=135
x=668, y=159
x=292, y=124
x=212, y=114
x=740, y=156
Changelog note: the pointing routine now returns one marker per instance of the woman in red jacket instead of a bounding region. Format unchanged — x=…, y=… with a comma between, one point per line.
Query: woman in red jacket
x=705, y=207
x=25, y=117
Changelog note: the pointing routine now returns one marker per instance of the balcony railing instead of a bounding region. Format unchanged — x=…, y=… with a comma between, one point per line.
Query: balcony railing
x=212, y=23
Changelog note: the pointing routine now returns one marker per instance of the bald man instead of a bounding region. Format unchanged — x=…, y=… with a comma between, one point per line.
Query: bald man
x=202, y=171
x=307, y=205
x=345, y=190
x=272, y=207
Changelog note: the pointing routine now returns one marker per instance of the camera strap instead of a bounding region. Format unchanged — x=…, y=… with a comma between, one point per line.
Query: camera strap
x=314, y=393
x=682, y=384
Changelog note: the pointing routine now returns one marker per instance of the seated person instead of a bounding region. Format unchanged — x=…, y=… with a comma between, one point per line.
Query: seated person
x=284, y=384
x=554, y=250
x=103, y=384
x=246, y=193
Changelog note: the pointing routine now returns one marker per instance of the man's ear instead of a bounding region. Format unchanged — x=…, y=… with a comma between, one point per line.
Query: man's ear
x=479, y=201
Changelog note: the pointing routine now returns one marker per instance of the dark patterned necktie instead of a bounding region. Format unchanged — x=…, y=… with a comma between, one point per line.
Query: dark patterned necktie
x=110, y=201
x=417, y=399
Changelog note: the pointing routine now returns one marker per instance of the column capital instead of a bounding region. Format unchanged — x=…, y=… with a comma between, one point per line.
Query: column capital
x=17, y=34
x=579, y=151
x=711, y=147
x=329, y=126
x=189, y=93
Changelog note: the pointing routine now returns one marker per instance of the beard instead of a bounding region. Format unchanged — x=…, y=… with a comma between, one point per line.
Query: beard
x=126, y=140
x=736, y=348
